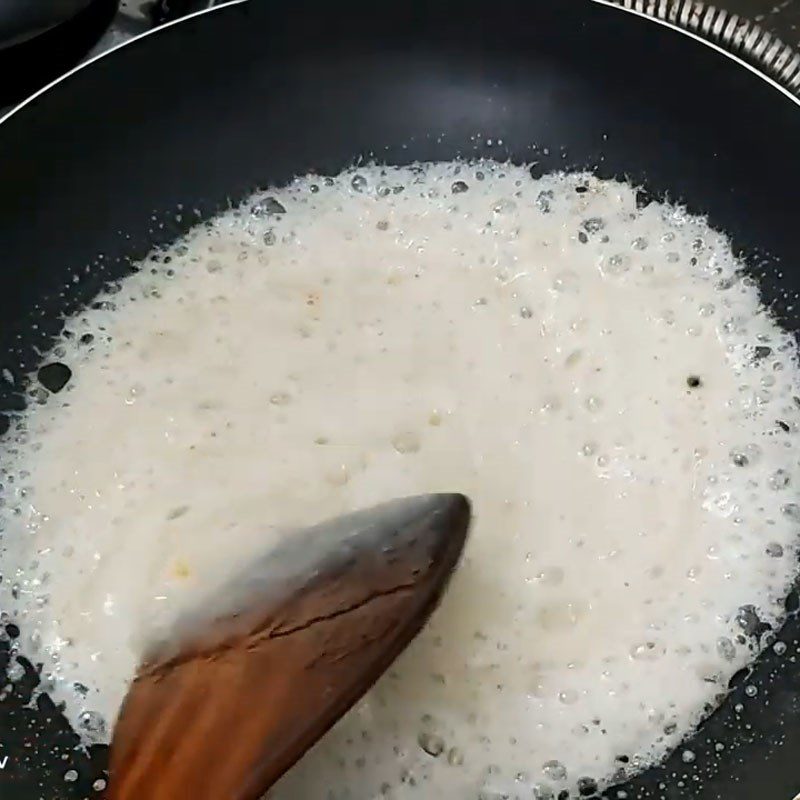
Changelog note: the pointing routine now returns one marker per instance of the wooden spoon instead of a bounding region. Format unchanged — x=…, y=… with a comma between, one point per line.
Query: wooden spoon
x=232, y=698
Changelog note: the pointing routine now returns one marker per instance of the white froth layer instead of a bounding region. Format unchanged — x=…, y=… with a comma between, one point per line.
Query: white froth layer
x=583, y=370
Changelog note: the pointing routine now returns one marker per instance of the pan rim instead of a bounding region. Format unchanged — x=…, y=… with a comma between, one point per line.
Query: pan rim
x=230, y=3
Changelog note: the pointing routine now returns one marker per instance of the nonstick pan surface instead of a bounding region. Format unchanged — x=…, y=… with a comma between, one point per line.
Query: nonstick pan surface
x=130, y=151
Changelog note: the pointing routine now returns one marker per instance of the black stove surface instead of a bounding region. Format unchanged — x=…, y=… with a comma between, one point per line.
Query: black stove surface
x=31, y=62
x=35, y=48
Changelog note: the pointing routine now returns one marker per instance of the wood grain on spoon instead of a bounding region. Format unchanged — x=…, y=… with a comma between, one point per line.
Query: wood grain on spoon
x=225, y=714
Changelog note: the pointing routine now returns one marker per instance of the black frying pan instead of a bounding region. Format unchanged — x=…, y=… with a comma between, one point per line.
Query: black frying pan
x=93, y=171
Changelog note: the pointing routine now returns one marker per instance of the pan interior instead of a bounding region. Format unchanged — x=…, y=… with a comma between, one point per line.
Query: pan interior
x=396, y=85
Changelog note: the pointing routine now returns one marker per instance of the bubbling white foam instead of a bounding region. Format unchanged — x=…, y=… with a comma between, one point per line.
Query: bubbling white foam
x=599, y=378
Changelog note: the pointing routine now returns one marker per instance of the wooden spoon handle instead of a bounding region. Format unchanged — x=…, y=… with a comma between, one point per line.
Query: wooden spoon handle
x=224, y=723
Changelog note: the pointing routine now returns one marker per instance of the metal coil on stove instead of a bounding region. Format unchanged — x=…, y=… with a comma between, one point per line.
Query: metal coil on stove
x=735, y=34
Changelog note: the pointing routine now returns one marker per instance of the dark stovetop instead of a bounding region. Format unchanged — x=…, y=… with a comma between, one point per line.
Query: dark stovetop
x=100, y=26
